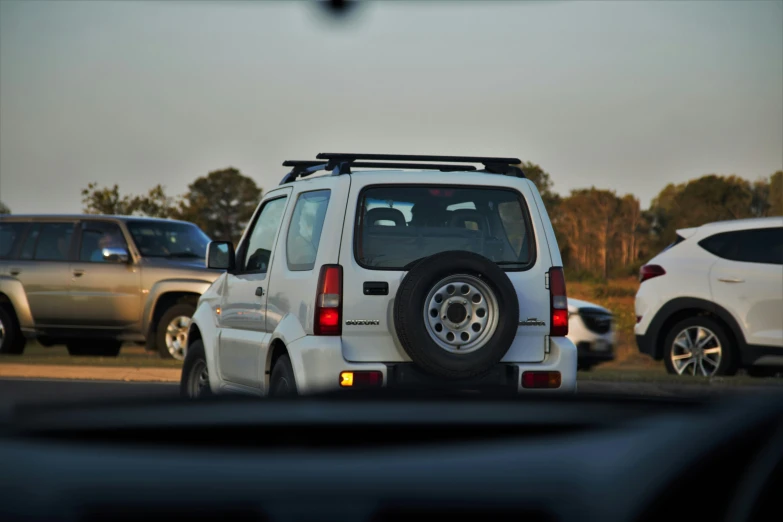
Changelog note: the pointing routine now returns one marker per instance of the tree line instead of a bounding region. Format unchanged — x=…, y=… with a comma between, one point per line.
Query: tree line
x=220, y=203
x=601, y=234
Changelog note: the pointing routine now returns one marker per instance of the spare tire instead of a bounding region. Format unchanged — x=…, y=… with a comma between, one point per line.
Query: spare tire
x=456, y=314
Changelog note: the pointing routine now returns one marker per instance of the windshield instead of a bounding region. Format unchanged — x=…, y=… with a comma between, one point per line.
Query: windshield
x=133, y=133
x=402, y=224
x=164, y=239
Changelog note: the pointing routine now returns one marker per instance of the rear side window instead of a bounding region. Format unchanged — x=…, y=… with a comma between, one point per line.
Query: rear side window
x=30, y=241
x=10, y=234
x=401, y=224
x=760, y=245
x=304, y=232
x=54, y=242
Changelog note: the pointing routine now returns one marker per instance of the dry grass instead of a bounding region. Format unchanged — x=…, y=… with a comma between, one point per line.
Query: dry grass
x=130, y=356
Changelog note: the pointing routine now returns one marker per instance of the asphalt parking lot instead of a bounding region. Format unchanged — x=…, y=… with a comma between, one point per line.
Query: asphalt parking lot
x=21, y=392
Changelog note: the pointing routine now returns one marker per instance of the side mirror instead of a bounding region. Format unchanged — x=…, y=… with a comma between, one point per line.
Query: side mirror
x=115, y=255
x=221, y=256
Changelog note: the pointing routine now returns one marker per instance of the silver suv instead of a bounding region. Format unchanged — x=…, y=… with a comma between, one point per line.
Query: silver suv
x=93, y=282
x=403, y=274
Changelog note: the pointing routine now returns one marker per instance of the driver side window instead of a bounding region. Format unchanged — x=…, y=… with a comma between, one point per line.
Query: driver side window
x=259, y=247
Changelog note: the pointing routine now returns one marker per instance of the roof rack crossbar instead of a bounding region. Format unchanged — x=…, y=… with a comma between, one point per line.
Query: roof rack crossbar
x=341, y=163
x=408, y=157
x=301, y=169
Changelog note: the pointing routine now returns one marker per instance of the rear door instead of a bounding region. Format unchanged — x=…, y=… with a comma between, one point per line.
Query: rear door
x=388, y=226
x=747, y=279
x=43, y=269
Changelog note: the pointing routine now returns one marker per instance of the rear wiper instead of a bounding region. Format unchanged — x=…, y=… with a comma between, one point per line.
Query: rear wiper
x=184, y=254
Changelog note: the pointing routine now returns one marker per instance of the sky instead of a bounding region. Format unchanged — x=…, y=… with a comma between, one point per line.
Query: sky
x=627, y=96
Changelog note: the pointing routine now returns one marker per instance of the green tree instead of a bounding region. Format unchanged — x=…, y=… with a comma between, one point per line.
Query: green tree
x=699, y=201
x=542, y=181
x=760, y=199
x=221, y=203
x=4, y=208
x=106, y=200
x=776, y=194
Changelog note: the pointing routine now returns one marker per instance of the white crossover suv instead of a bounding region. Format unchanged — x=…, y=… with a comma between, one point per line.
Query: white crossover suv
x=591, y=327
x=387, y=273
x=712, y=302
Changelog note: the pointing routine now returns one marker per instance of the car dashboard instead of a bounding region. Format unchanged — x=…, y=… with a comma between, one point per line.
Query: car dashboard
x=383, y=457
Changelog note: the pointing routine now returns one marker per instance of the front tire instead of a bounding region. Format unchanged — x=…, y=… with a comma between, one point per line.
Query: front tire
x=699, y=346
x=194, y=383
x=282, y=383
x=12, y=342
x=171, y=332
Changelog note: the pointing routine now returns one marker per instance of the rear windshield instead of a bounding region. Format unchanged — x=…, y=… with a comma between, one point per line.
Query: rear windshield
x=402, y=224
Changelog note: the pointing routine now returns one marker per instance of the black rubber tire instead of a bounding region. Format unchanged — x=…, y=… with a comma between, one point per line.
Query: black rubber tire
x=282, y=382
x=94, y=347
x=729, y=355
x=191, y=369
x=409, y=315
x=185, y=309
x=13, y=342
x=584, y=367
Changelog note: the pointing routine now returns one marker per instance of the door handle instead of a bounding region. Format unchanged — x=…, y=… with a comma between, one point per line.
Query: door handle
x=15, y=271
x=730, y=280
x=78, y=272
x=259, y=291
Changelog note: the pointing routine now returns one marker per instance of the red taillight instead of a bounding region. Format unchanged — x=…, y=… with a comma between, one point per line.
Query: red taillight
x=558, y=299
x=541, y=379
x=650, y=271
x=329, y=301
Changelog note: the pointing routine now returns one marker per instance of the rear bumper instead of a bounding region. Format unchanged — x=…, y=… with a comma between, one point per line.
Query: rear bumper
x=318, y=361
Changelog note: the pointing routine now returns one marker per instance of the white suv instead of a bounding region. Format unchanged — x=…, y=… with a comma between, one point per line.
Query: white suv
x=592, y=329
x=436, y=274
x=712, y=302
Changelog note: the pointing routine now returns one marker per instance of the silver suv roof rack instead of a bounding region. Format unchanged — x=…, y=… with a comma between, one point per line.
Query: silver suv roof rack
x=340, y=163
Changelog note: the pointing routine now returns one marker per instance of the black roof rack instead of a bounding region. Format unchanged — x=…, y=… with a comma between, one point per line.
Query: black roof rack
x=341, y=163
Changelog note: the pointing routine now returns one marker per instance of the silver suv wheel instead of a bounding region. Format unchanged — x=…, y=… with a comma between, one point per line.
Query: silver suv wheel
x=177, y=336
x=461, y=314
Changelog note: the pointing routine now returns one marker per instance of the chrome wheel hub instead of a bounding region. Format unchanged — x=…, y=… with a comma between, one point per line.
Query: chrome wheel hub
x=461, y=313
x=696, y=351
x=177, y=336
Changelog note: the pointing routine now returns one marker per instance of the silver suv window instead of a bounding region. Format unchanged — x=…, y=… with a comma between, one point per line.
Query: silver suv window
x=304, y=232
x=53, y=242
x=398, y=225
x=9, y=236
x=97, y=235
x=169, y=239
